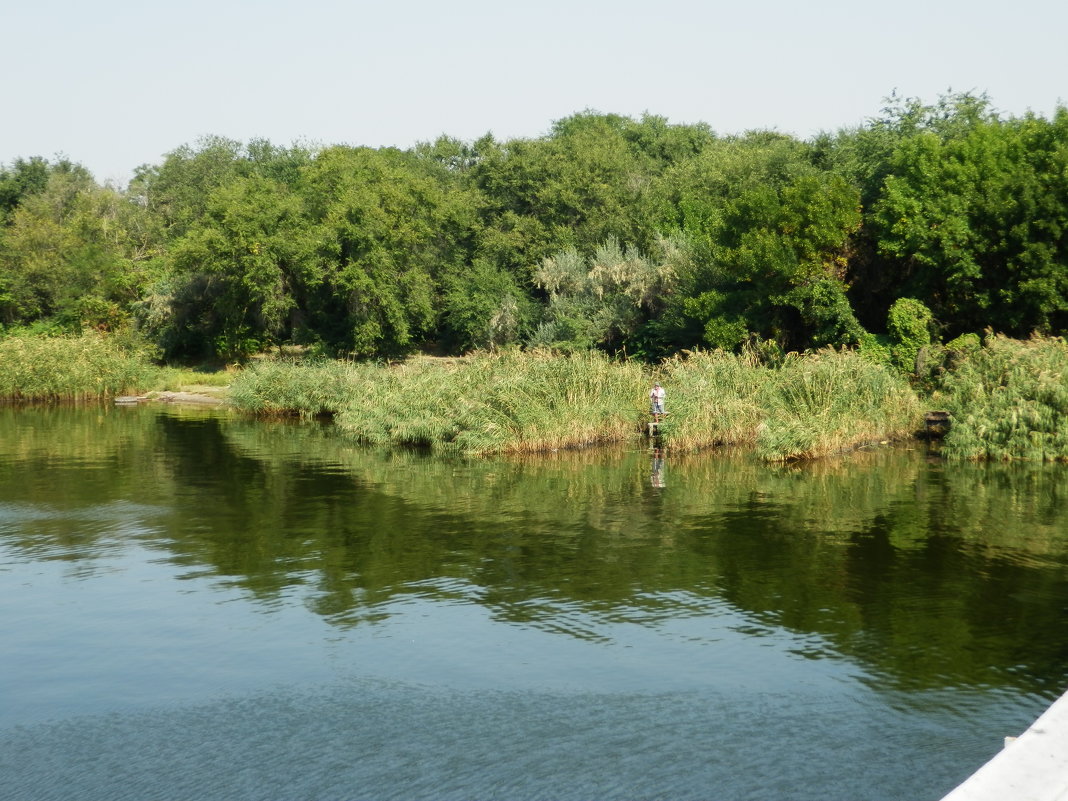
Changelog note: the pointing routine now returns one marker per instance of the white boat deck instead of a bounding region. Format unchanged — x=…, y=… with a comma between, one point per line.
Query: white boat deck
x=1033, y=767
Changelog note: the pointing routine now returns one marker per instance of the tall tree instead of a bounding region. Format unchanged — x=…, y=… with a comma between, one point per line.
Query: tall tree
x=769, y=235
x=72, y=252
x=245, y=269
x=395, y=225
x=25, y=177
x=976, y=222
x=576, y=187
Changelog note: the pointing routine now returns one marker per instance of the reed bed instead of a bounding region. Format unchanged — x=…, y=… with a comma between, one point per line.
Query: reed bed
x=806, y=407
x=283, y=388
x=1009, y=401
x=713, y=399
x=830, y=402
x=85, y=367
x=514, y=402
x=506, y=403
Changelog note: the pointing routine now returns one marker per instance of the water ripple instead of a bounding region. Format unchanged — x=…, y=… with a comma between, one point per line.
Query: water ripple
x=384, y=740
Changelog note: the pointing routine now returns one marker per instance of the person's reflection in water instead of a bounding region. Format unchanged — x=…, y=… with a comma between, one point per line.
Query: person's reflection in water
x=656, y=476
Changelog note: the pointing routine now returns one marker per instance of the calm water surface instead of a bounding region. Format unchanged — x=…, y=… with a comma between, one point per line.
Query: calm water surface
x=196, y=606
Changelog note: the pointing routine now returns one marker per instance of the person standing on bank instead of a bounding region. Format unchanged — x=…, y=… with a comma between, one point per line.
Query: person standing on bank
x=656, y=402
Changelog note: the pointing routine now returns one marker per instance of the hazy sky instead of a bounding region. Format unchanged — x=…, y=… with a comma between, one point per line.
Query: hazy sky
x=113, y=84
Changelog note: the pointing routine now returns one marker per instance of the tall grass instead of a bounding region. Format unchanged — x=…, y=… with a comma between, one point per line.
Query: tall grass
x=1009, y=401
x=275, y=388
x=530, y=402
x=178, y=378
x=805, y=407
x=830, y=402
x=509, y=403
x=84, y=367
x=713, y=399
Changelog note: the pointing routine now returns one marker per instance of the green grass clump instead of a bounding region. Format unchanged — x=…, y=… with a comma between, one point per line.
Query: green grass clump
x=88, y=366
x=713, y=399
x=804, y=407
x=832, y=401
x=501, y=403
x=278, y=388
x=1009, y=401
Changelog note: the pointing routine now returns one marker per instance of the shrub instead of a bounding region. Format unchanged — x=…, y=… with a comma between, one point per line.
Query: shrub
x=908, y=324
x=1009, y=400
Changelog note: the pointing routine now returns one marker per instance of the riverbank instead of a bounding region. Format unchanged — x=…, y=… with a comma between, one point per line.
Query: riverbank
x=1005, y=401
x=196, y=395
x=803, y=407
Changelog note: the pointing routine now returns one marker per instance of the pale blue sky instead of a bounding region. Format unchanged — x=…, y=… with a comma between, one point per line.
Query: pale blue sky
x=117, y=83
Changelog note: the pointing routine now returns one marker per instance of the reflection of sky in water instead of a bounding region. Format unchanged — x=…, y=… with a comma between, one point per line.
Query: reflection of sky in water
x=364, y=737
x=81, y=533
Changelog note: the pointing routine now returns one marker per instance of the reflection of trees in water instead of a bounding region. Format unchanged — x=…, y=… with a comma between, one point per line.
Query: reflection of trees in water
x=928, y=574
x=69, y=477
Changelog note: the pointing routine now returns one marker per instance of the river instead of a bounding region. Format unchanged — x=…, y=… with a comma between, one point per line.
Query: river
x=199, y=606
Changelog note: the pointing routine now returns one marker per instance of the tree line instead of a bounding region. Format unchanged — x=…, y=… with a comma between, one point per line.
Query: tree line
x=626, y=235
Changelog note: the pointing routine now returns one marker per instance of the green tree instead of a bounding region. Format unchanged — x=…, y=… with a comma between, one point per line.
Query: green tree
x=865, y=156
x=72, y=252
x=665, y=143
x=605, y=299
x=576, y=187
x=23, y=178
x=395, y=225
x=177, y=191
x=484, y=307
x=908, y=326
x=975, y=222
x=769, y=234
x=244, y=270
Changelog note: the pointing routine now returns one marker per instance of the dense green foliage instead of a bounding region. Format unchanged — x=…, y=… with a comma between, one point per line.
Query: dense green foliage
x=607, y=232
x=768, y=234
x=977, y=217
